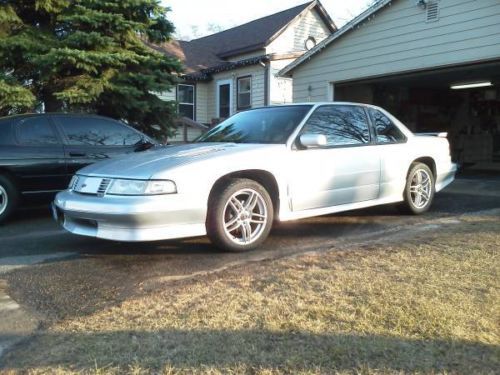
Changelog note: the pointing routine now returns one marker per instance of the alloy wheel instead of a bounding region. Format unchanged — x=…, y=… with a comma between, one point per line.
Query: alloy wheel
x=421, y=188
x=4, y=200
x=245, y=216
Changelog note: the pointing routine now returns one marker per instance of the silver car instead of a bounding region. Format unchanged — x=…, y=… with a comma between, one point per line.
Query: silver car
x=275, y=163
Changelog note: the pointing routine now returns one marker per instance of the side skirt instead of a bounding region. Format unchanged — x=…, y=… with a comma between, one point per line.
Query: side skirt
x=287, y=216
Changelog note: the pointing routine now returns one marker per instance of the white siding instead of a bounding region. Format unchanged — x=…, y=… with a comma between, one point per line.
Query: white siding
x=256, y=71
x=309, y=25
x=167, y=95
x=202, y=102
x=398, y=39
x=294, y=37
x=280, y=88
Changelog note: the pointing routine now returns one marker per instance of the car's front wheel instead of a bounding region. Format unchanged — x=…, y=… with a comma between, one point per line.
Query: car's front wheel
x=419, y=189
x=240, y=215
x=8, y=197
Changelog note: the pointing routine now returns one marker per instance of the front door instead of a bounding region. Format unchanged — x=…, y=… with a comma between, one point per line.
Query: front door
x=224, y=99
x=346, y=170
x=89, y=139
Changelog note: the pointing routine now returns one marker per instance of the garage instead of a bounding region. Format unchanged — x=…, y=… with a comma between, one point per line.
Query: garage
x=434, y=64
x=463, y=101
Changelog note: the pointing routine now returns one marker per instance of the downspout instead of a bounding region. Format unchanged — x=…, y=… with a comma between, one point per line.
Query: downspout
x=267, y=81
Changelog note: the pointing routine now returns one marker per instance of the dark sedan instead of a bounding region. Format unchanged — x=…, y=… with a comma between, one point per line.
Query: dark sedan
x=40, y=152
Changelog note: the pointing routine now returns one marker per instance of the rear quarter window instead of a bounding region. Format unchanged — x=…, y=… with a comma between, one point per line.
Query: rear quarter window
x=386, y=131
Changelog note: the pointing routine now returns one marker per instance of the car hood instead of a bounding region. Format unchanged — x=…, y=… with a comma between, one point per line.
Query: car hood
x=145, y=164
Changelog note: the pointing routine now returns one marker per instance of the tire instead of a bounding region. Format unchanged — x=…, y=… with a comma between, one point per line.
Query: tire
x=418, y=196
x=8, y=197
x=230, y=225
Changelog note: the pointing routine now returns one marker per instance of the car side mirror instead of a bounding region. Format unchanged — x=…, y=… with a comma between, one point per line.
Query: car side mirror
x=310, y=140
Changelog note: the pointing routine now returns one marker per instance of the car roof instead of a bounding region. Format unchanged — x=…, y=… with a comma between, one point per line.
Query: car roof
x=65, y=114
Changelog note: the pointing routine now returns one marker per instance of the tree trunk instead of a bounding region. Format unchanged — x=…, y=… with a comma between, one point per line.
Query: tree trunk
x=51, y=104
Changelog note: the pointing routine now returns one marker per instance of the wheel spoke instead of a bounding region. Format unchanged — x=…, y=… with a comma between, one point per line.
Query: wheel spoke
x=418, y=199
x=258, y=215
x=246, y=231
x=235, y=205
x=425, y=195
x=230, y=225
x=251, y=201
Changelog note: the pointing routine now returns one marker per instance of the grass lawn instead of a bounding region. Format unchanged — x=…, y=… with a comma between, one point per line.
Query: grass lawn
x=428, y=302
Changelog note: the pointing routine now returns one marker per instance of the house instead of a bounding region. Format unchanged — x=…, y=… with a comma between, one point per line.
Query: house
x=236, y=69
x=435, y=64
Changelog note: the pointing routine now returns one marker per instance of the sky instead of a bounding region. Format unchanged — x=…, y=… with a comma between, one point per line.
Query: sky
x=196, y=18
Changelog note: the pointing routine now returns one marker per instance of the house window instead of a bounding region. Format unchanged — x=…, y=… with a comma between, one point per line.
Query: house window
x=185, y=99
x=244, y=93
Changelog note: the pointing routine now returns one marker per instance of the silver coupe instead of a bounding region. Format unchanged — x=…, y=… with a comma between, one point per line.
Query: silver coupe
x=274, y=163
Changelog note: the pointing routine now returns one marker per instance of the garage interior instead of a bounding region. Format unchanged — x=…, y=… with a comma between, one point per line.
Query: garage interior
x=437, y=101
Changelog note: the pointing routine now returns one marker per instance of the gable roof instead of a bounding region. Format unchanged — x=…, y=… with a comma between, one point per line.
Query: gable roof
x=351, y=25
x=210, y=52
x=257, y=34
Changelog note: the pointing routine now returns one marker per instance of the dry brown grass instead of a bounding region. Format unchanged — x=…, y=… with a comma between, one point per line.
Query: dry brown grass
x=428, y=304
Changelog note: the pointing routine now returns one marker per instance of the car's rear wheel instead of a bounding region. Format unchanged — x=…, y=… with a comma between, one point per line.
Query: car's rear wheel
x=8, y=197
x=240, y=215
x=419, y=189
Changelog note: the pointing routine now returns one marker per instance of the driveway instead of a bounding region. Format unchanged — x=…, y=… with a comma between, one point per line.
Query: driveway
x=33, y=233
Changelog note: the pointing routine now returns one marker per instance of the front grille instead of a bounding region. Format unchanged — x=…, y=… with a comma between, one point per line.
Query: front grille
x=103, y=186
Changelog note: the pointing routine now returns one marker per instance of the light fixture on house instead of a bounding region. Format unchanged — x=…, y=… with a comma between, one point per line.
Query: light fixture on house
x=422, y=4
x=470, y=85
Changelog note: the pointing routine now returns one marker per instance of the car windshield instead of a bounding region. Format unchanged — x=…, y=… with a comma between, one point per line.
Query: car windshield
x=262, y=125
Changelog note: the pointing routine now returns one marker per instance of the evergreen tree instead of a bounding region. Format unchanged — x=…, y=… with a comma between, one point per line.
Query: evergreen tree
x=87, y=55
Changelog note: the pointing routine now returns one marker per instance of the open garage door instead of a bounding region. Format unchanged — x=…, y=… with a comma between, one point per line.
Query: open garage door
x=463, y=101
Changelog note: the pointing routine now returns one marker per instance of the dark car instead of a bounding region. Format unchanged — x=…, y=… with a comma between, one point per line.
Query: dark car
x=39, y=153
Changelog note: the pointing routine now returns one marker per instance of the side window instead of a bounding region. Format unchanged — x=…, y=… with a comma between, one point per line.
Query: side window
x=341, y=124
x=385, y=129
x=94, y=131
x=36, y=131
x=185, y=97
x=244, y=99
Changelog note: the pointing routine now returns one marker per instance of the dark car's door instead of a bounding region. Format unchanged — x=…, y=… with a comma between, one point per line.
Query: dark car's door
x=36, y=157
x=88, y=139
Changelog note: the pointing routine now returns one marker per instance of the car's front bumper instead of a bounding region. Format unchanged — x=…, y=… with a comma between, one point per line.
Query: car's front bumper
x=120, y=218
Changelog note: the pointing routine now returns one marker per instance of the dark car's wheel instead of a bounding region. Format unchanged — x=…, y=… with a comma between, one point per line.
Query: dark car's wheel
x=419, y=189
x=8, y=197
x=240, y=215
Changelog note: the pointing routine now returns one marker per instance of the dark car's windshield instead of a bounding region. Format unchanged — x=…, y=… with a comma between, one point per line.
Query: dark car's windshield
x=263, y=125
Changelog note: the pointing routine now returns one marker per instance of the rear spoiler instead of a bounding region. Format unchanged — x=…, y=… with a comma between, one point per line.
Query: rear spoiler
x=441, y=135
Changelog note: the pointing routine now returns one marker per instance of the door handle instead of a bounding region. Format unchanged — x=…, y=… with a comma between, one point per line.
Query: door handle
x=77, y=154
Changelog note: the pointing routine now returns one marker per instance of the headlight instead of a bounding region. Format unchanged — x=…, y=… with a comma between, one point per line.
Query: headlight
x=141, y=187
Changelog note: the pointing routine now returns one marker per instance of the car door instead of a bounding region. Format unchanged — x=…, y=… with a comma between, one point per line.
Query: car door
x=391, y=143
x=88, y=139
x=346, y=170
x=37, y=158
